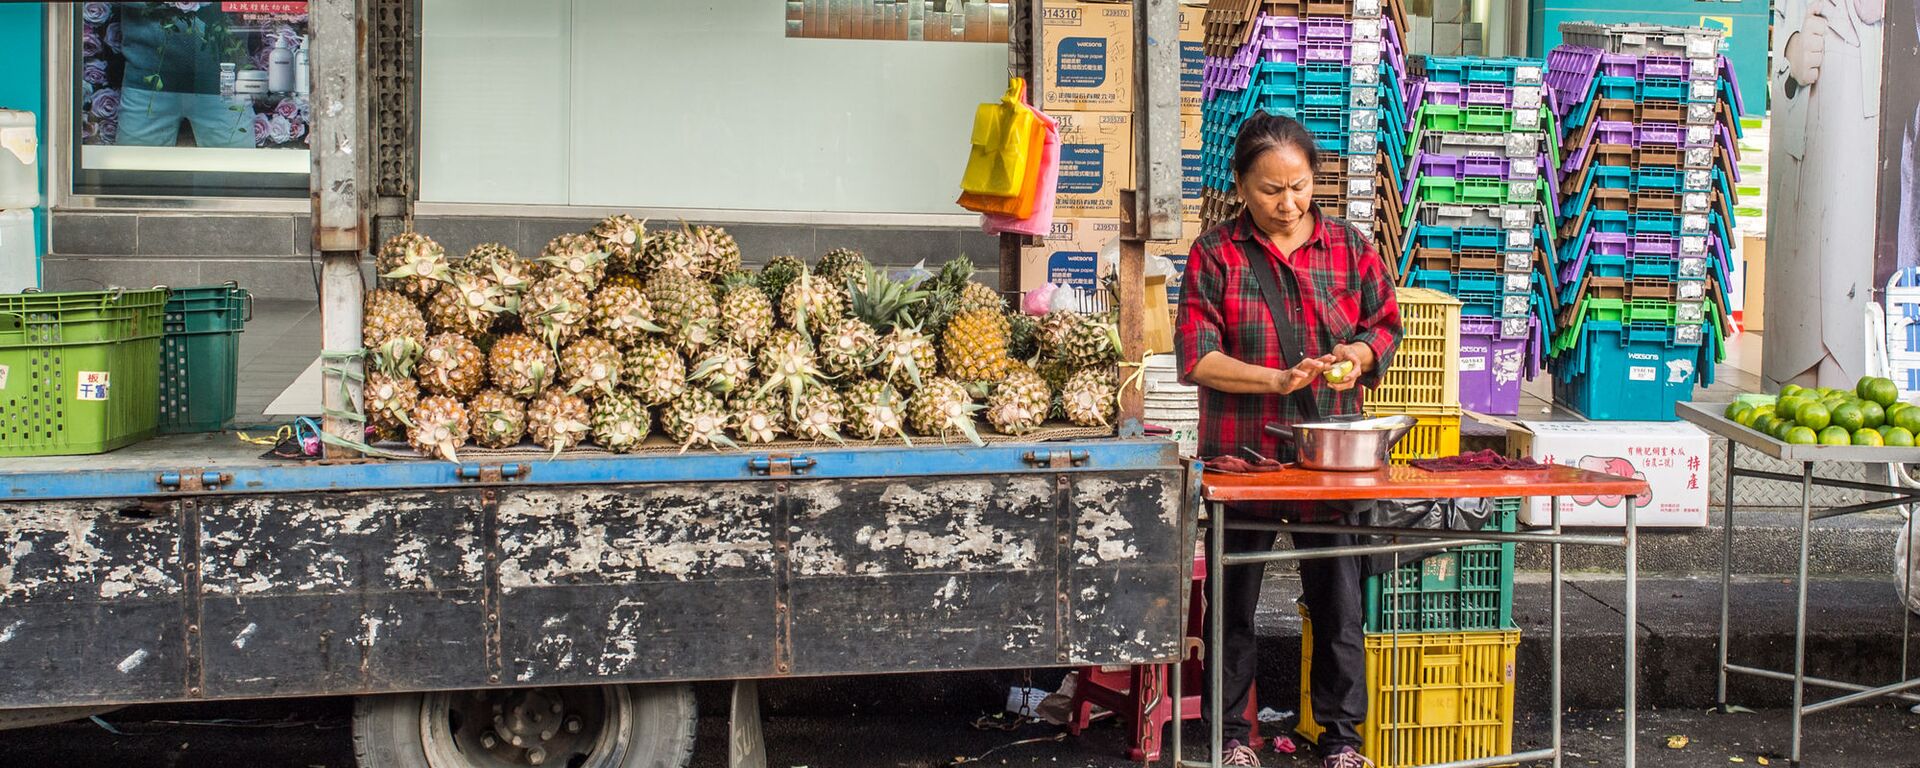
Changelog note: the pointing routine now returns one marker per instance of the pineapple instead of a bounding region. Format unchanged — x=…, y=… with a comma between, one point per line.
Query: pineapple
x=847, y=348
x=1023, y=329
x=725, y=369
x=671, y=249
x=875, y=410
x=975, y=346
x=390, y=404
x=654, y=372
x=1020, y=404
x=557, y=420
x=622, y=237
x=907, y=357
x=1052, y=332
x=556, y=310
x=686, y=308
x=622, y=314
x=590, y=367
x=746, y=314
x=811, y=302
x=1090, y=343
x=757, y=418
x=393, y=332
x=623, y=279
x=696, y=419
x=620, y=423
x=941, y=408
x=881, y=301
x=521, y=366
x=412, y=264
x=1090, y=397
x=499, y=420
x=439, y=427
x=841, y=265
x=452, y=365
x=976, y=297
x=716, y=255
x=948, y=295
x=579, y=258
x=467, y=304
x=779, y=273
x=507, y=269
x=1055, y=374
x=817, y=415
x=787, y=364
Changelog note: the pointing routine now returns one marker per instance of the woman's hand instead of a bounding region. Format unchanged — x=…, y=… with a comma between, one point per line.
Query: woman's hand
x=1300, y=376
x=1360, y=355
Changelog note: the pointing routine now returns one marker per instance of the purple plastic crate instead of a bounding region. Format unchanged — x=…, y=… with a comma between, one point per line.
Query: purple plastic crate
x=1611, y=132
x=1570, y=73
x=1327, y=28
x=1492, y=368
x=1636, y=67
x=1726, y=73
x=1659, y=134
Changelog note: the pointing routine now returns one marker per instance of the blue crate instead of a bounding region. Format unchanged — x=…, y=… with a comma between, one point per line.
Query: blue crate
x=1614, y=375
x=1477, y=69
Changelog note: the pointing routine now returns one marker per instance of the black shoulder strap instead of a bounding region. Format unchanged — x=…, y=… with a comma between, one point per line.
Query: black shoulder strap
x=1269, y=281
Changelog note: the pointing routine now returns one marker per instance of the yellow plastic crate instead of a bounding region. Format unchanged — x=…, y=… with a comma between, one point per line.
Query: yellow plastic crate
x=1433, y=697
x=1437, y=434
x=1425, y=372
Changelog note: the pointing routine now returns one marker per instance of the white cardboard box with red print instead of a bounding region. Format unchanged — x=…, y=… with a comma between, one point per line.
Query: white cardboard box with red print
x=1671, y=457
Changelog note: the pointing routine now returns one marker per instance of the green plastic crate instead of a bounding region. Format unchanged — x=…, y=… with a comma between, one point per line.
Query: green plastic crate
x=200, y=357
x=1465, y=589
x=79, y=372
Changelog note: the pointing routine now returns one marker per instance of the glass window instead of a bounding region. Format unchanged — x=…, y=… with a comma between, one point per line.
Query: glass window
x=199, y=99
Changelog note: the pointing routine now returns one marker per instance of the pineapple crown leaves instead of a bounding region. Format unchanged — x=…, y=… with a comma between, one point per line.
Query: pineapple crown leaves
x=882, y=301
x=567, y=426
x=396, y=356
x=891, y=400
x=960, y=416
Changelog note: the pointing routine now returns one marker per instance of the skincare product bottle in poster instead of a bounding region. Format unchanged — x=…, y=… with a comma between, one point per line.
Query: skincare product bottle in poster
x=280, y=67
x=300, y=82
x=229, y=79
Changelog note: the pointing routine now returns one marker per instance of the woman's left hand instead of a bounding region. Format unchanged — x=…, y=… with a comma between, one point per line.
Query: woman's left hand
x=1360, y=355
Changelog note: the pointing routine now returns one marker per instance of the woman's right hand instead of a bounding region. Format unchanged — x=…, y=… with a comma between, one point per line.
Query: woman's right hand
x=1299, y=376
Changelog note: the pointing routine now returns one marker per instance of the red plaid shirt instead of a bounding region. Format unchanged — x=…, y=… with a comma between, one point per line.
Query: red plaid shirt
x=1339, y=292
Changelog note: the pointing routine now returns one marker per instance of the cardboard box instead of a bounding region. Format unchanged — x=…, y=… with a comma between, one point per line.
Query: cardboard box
x=1070, y=255
x=1192, y=186
x=1193, y=58
x=1176, y=252
x=1450, y=11
x=1159, y=325
x=1753, y=308
x=1671, y=456
x=1087, y=56
x=1096, y=162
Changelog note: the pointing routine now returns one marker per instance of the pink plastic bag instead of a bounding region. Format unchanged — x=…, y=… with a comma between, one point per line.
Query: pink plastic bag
x=1041, y=222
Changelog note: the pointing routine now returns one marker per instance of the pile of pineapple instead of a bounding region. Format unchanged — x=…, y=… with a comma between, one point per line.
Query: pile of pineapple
x=607, y=337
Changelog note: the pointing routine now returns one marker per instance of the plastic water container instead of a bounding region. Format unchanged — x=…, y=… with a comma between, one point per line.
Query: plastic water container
x=19, y=259
x=19, y=160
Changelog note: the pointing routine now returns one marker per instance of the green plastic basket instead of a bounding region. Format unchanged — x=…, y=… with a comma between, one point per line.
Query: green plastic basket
x=1465, y=589
x=79, y=372
x=200, y=357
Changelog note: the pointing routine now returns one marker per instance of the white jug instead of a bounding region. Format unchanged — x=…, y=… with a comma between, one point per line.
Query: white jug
x=19, y=160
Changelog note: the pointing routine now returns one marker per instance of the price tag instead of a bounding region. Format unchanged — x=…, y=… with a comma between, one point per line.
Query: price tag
x=1475, y=363
x=4, y=370
x=1643, y=373
x=93, y=385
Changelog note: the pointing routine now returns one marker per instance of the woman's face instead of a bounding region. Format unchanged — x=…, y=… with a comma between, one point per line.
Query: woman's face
x=1278, y=190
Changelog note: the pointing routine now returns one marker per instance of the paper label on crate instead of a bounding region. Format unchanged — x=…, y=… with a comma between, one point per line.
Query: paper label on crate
x=1080, y=62
x=1526, y=120
x=92, y=385
x=4, y=370
x=1474, y=363
x=1455, y=211
x=1643, y=373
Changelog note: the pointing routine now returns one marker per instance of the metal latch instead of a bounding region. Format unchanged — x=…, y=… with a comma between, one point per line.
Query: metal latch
x=780, y=465
x=1057, y=459
x=193, y=480
x=492, y=473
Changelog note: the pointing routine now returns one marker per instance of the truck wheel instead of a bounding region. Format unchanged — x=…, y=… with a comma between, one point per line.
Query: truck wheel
x=39, y=716
x=609, y=726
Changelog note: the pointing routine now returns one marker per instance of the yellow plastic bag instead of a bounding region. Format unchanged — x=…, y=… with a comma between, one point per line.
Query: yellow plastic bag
x=1003, y=145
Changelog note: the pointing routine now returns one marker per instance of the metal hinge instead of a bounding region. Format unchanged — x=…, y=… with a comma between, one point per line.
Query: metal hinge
x=192, y=480
x=1057, y=459
x=492, y=473
x=780, y=465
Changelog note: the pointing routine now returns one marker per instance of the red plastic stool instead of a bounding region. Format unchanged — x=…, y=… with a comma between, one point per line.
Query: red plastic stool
x=1139, y=692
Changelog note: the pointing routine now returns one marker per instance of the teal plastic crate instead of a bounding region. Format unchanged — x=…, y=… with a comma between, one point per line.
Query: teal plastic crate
x=1466, y=589
x=200, y=357
x=79, y=372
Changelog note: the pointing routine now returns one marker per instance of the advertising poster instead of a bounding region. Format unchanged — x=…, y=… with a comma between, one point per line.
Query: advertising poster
x=1900, y=145
x=1822, y=221
x=940, y=21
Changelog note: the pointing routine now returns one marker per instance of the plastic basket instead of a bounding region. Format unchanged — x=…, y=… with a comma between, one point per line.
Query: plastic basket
x=200, y=357
x=1643, y=39
x=1614, y=374
x=1465, y=589
x=1431, y=697
x=79, y=372
x=1423, y=372
x=1437, y=434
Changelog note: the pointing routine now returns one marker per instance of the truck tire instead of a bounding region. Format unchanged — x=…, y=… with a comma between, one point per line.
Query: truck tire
x=39, y=716
x=609, y=726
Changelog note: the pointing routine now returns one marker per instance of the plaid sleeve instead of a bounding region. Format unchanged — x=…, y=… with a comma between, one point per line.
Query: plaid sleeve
x=1379, y=326
x=1200, y=319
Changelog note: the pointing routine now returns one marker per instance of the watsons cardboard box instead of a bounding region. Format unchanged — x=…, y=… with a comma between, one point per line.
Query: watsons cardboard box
x=1193, y=57
x=1087, y=56
x=1176, y=252
x=1070, y=255
x=1670, y=456
x=1192, y=185
x=1096, y=162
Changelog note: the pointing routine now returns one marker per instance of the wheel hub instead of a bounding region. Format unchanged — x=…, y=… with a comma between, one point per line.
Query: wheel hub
x=528, y=727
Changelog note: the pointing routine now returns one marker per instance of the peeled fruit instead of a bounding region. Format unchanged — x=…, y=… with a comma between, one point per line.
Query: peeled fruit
x=1867, y=437
x=1801, y=436
x=1338, y=372
x=1813, y=416
x=1836, y=436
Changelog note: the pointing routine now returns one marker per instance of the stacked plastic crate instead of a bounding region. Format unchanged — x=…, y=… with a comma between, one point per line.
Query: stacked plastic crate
x=1479, y=214
x=1335, y=66
x=1647, y=203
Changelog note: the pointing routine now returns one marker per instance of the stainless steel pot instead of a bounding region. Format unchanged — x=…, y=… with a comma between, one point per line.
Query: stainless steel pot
x=1346, y=446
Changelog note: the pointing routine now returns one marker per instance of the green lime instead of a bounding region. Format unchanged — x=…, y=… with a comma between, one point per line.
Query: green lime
x=1872, y=415
x=1883, y=429
x=1868, y=437
x=1908, y=419
x=1900, y=436
x=1788, y=406
x=1813, y=416
x=1881, y=391
x=1836, y=436
x=1781, y=429
x=1734, y=410
x=1791, y=389
x=1764, y=424
x=1849, y=417
x=1747, y=417
x=1801, y=436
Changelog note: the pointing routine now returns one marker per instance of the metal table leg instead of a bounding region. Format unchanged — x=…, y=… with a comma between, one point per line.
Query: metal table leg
x=1800, y=611
x=1633, y=626
x=1559, y=750
x=1726, y=576
x=1216, y=634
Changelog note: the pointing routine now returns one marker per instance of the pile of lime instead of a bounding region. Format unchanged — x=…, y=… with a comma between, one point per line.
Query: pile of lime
x=1872, y=414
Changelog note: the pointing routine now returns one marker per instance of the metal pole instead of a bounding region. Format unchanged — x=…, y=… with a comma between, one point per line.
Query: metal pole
x=341, y=183
x=1726, y=575
x=1559, y=749
x=1800, y=610
x=1821, y=682
x=1633, y=626
x=1216, y=632
x=1906, y=588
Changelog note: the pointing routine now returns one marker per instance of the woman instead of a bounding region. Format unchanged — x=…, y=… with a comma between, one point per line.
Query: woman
x=1336, y=306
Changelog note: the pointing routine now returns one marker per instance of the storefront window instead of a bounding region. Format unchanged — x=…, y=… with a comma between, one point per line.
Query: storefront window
x=200, y=99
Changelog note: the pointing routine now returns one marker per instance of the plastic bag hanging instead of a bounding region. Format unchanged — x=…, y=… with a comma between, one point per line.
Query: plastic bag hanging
x=1002, y=149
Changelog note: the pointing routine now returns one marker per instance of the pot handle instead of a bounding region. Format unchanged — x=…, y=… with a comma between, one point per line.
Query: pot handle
x=1276, y=429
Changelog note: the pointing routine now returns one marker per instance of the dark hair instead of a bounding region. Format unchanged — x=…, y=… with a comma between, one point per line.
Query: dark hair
x=1264, y=131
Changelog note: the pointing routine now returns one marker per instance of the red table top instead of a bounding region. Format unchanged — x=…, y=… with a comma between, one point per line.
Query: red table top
x=1295, y=484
